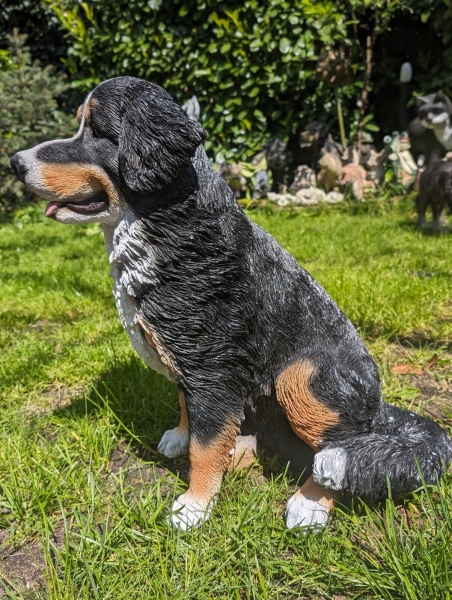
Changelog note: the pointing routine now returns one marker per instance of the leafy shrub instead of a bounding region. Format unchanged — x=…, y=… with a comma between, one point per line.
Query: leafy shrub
x=36, y=19
x=29, y=114
x=252, y=63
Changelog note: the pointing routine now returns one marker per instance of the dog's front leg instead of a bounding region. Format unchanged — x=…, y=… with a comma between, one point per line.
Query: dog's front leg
x=210, y=448
x=174, y=442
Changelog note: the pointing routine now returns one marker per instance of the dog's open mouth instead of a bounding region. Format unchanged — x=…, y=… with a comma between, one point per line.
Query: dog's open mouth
x=90, y=206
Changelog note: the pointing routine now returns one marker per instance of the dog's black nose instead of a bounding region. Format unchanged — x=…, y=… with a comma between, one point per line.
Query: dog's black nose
x=18, y=166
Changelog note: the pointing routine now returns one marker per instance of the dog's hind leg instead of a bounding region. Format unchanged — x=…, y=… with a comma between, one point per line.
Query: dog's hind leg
x=174, y=442
x=309, y=418
x=437, y=210
x=310, y=506
x=420, y=204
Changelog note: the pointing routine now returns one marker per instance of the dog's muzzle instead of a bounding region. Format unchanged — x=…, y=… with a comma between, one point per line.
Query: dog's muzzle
x=18, y=166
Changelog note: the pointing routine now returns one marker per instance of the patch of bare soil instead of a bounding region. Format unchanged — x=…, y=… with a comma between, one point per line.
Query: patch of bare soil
x=435, y=398
x=55, y=397
x=22, y=568
x=433, y=379
x=137, y=473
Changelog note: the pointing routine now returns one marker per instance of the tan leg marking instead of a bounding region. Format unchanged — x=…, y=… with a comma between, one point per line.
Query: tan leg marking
x=310, y=506
x=244, y=454
x=308, y=417
x=209, y=462
x=316, y=492
x=76, y=182
x=155, y=341
x=183, y=424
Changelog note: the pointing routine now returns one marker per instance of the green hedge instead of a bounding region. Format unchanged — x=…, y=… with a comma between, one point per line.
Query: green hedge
x=251, y=63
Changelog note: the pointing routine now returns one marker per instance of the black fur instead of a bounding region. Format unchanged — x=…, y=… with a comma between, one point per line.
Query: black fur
x=423, y=142
x=401, y=447
x=435, y=190
x=312, y=141
x=234, y=308
x=156, y=138
x=276, y=154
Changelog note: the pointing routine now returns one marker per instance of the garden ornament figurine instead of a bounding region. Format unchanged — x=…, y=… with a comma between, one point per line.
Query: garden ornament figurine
x=304, y=178
x=192, y=108
x=213, y=302
x=314, y=141
x=431, y=131
x=435, y=190
x=434, y=113
x=374, y=165
x=276, y=155
x=398, y=147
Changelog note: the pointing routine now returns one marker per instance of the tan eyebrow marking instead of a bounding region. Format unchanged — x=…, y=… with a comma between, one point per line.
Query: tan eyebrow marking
x=87, y=107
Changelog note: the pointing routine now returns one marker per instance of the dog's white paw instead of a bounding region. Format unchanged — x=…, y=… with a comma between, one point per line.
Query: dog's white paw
x=174, y=443
x=187, y=513
x=302, y=512
x=329, y=468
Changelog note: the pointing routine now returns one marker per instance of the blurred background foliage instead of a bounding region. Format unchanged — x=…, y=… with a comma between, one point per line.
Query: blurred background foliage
x=251, y=63
x=29, y=113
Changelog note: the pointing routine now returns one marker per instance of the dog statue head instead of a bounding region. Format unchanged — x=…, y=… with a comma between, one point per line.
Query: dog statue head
x=132, y=137
x=434, y=110
x=314, y=134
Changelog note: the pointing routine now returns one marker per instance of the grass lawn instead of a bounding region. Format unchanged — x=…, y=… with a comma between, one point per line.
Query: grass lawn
x=83, y=494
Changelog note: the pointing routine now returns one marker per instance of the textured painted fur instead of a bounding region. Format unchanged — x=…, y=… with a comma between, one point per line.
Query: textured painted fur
x=252, y=340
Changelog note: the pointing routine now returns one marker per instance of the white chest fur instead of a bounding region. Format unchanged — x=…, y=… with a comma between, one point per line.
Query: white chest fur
x=443, y=134
x=132, y=265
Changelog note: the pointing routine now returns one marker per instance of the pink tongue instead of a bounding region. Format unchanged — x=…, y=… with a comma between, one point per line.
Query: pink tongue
x=52, y=207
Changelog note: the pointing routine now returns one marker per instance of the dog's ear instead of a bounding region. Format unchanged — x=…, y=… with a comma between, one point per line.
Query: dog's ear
x=421, y=100
x=156, y=137
x=443, y=99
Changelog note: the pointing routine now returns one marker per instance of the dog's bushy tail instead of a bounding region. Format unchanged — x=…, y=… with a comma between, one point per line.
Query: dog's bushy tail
x=399, y=448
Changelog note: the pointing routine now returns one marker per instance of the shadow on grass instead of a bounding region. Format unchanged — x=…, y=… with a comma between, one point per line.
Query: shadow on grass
x=427, y=230
x=143, y=404
x=420, y=341
x=140, y=404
